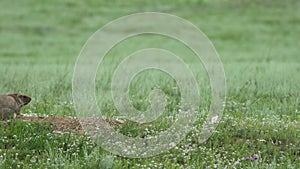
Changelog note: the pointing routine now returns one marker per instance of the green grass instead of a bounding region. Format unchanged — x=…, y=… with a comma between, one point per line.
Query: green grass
x=258, y=42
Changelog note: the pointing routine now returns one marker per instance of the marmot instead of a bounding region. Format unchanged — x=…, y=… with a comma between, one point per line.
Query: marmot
x=11, y=104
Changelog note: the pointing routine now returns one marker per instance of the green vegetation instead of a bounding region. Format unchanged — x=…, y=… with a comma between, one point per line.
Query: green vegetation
x=258, y=42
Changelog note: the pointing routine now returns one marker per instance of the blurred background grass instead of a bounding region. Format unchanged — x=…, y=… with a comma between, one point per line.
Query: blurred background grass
x=257, y=41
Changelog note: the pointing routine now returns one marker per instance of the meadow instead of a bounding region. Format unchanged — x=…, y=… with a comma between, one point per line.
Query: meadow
x=258, y=43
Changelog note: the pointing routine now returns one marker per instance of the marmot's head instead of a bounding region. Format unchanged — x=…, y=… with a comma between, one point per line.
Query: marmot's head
x=21, y=99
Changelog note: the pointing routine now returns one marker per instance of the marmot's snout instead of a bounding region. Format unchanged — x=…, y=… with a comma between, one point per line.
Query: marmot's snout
x=25, y=99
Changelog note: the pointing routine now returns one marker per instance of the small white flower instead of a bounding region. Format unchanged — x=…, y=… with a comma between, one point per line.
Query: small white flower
x=214, y=119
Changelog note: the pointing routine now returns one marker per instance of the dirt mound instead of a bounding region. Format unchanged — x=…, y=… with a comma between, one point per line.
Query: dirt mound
x=65, y=124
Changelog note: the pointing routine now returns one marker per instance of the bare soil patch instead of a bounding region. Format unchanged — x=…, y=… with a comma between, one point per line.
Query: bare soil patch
x=66, y=124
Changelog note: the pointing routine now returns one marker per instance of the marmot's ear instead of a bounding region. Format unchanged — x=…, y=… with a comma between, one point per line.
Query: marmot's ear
x=15, y=96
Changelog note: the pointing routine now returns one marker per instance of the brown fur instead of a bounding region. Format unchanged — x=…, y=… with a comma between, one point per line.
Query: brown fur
x=11, y=104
